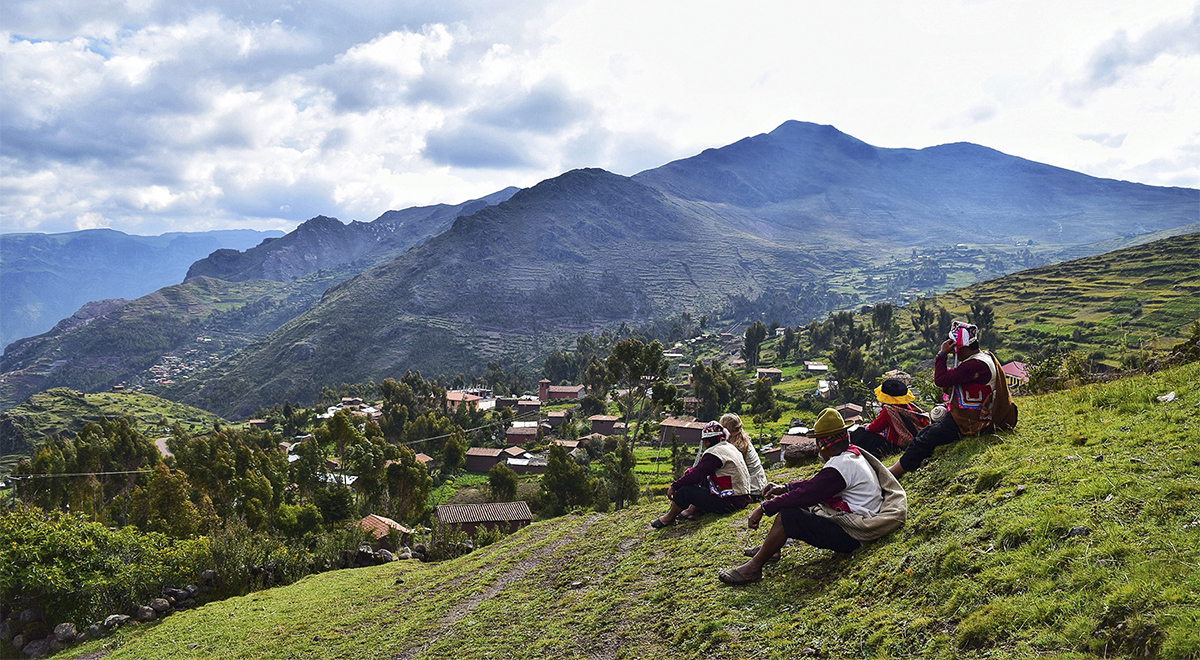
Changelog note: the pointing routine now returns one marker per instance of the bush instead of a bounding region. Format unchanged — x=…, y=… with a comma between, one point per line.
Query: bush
x=80, y=571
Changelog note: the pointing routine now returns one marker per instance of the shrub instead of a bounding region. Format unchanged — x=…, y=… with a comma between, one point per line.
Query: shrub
x=81, y=571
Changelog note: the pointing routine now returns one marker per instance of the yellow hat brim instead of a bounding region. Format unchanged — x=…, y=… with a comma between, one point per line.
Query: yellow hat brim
x=894, y=400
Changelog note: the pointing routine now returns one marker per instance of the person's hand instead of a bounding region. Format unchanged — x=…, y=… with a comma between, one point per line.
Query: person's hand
x=755, y=516
x=670, y=492
x=773, y=490
x=948, y=346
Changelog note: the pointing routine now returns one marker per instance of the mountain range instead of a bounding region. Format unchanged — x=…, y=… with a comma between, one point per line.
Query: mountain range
x=46, y=277
x=324, y=243
x=775, y=215
x=228, y=299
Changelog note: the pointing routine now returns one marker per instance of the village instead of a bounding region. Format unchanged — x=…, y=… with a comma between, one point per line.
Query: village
x=555, y=417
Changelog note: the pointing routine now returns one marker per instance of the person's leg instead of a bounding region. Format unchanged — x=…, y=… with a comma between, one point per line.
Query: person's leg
x=703, y=500
x=685, y=498
x=776, y=537
x=817, y=531
x=941, y=432
x=669, y=517
x=871, y=442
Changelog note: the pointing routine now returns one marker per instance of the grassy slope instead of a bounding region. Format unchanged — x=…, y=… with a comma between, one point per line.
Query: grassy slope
x=1146, y=295
x=980, y=570
x=62, y=412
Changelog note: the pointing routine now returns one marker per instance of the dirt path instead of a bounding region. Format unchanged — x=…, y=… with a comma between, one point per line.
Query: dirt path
x=514, y=574
x=161, y=443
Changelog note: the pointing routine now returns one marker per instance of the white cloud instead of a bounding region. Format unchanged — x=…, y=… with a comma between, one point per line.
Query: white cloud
x=159, y=115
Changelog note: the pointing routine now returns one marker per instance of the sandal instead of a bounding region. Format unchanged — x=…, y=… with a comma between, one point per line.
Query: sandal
x=735, y=577
x=687, y=516
x=658, y=524
x=753, y=550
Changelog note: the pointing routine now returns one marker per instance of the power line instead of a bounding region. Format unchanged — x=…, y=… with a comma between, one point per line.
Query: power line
x=74, y=474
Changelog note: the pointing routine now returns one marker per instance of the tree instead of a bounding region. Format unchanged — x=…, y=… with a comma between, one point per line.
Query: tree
x=595, y=377
x=336, y=503
x=342, y=431
x=716, y=388
x=163, y=505
x=367, y=459
x=756, y=334
x=763, y=400
x=925, y=322
x=883, y=318
x=408, y=484
x=565, y=484
x=944, y=321
x=559, y=366
x=454, y=452
x=787, y=345
x=502, y=483
x=636, y=367
x=622, y=480
x=983, y=316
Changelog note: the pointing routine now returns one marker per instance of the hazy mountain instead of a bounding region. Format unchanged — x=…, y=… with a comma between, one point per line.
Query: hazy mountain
x=46, y=277
x=590, y=249
x=323, y=243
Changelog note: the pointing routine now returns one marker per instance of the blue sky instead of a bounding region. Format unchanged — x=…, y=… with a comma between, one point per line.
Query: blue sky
x=149, y=116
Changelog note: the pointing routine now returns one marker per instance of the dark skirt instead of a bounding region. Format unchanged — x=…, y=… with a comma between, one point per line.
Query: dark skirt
x=706, y=502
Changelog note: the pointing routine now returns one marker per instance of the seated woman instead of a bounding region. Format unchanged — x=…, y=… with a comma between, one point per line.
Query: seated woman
x=852, y=500
x=718, y=483
x=739, y=439
x=898, y=421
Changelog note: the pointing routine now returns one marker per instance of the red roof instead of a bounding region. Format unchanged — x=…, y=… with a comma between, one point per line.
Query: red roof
x=423, y=458
x=682, y=423
x=379, y=526
x=476, y=513
x=483, y=451
x=1018, y=370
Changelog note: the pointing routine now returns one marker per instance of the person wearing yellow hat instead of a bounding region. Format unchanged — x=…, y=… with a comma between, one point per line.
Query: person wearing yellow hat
x=897, y=422
x=852, y=500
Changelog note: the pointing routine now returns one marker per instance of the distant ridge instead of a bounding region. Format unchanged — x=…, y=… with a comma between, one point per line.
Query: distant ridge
x=323, y=242
x=46, y=277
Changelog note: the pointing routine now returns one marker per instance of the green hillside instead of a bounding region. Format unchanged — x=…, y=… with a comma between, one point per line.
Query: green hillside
x=61, y=411
x=1075, y=536
x=155, y=339
x=1143, y=296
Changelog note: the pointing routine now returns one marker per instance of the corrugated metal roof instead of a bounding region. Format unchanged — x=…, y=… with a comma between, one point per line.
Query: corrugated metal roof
x=456, y=514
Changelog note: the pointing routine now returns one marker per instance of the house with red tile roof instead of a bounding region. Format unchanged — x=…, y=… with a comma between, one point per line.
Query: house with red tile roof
x=379, y=526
